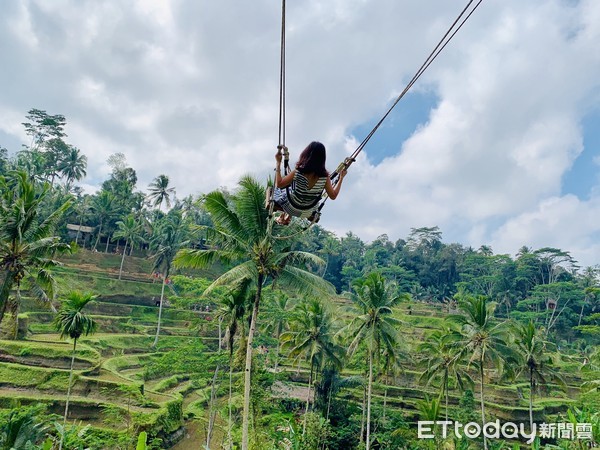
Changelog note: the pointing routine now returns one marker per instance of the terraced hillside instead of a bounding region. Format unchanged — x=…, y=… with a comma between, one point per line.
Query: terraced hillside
x=123, y=385
x=121, y=382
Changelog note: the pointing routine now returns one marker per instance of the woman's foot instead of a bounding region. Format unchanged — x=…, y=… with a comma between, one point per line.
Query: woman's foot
x=284, y=219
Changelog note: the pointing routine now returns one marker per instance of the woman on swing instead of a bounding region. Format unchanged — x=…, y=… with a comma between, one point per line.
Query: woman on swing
x=298, y=192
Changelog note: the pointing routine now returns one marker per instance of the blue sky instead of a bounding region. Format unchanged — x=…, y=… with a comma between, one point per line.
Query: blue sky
x=410, y=113
x=497, y=143
x=583, y=176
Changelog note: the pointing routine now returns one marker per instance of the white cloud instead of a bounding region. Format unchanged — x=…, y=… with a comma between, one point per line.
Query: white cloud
x=565, y=222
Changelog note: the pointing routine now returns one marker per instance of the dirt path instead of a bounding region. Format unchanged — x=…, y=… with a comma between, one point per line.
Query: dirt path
x=194, y=438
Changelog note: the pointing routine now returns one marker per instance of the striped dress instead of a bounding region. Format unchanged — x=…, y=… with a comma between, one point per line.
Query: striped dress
x=301, y=200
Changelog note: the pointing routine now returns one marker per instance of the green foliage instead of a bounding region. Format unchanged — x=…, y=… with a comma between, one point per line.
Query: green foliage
x=141, y=442
x=190, y=357
x=22, y=428
x=318, y=431
x=27, y=239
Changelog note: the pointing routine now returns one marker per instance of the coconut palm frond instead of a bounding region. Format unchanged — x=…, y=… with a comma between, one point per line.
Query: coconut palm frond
x=305, y=283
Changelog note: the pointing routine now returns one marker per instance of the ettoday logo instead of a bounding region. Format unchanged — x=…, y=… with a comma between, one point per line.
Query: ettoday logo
x=509, y=430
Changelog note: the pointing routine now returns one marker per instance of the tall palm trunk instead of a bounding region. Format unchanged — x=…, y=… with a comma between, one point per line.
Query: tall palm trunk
x=277, y=350
x=329, y=402
x=15, y=314
x=445, y=387
x=211, y=409
x=531, y=399
x=79, y=229
x=447, y=395
x=62, y=436
x=229, y=420
x=482, y=404
x=107, y=242
x=385, y=391
x=362, y=418
x=248, y=368
x=369, y=392
x=7, y=283
x=581, y=312
x=122, y=260
x=160, y=307
x=98, y=237
x=310, y=376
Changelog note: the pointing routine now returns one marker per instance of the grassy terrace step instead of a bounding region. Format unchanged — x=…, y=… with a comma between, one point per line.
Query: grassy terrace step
x=73, y=279
x=170, y=384
x=122, y=316
x=113, y=344
x=46, y=354
x=92, y=410
x=9, y=396
x=47, y=381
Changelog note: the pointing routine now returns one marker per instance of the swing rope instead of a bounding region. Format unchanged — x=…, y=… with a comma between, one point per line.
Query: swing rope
x=432, y=56
x=281, y=137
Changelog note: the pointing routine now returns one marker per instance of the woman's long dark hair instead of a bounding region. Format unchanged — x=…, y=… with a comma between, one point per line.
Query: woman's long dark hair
x=312, y=160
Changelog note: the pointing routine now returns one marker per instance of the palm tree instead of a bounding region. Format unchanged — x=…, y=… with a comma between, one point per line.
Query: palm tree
x=104, y=207
x=72, y=166
x=170, y=235
x=278, y=316
x=442, y=357
x=392, y=366
x=241, y=236
x=82, y=210
x=27, y=241
x=21, y=428
x=534, y=358
x=160, y=191
x=130, y=230
x=73, y=323
x=33, y=163
x=312, y=336
x=333, y=382
x=232, y=310
x=483, y=338
x=373, y=324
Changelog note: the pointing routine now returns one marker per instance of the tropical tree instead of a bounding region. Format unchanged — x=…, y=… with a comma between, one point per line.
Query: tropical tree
x=373, y=324
x=103, y=206
x=55, y=150
x=442, y=359
x=242, y=236
x=130, y=230
x=72, y=166
x=483, y=338
x=22, y=428
x=277, y=313
x=312, y=337
x=43, y=126
x=534, y=359
x=32, y=162
x=82, y=210
x=232, y=310
x=73, y=323
x=4, y=161
x=170, y=235
x=27, y=241
x=160, y=191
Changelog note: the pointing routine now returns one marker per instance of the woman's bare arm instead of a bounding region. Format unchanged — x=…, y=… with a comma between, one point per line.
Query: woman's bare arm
x=332, y=191
x=282, y=182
